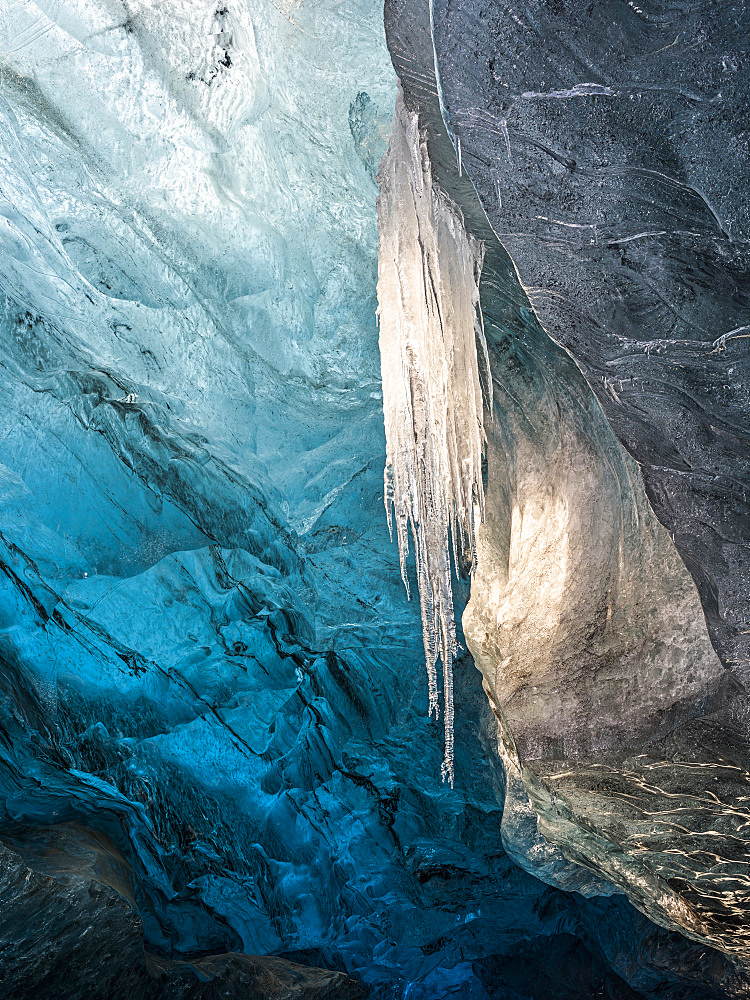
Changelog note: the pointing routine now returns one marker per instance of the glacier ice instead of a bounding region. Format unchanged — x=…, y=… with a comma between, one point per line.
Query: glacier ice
x=624, y=211
x=214, y=727
x=431, y=345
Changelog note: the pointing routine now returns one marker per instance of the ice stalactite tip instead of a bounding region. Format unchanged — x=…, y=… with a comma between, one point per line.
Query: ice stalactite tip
x=435, y=371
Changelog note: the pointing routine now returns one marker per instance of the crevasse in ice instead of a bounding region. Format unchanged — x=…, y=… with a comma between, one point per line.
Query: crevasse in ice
x=430, y=337
x=214, y=725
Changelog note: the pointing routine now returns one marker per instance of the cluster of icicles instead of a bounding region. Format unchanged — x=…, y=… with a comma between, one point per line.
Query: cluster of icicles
x=432, y=347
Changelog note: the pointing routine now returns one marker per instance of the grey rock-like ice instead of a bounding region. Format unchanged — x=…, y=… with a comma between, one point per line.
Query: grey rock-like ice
x=608, y=145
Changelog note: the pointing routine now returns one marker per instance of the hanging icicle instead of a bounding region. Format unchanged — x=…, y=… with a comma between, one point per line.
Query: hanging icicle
x=432, y=344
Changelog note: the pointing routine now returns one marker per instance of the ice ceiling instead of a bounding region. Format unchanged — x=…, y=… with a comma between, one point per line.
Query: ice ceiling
x=218, y=775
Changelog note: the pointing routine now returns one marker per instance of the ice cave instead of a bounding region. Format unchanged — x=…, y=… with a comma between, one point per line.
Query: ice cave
x=374, y=499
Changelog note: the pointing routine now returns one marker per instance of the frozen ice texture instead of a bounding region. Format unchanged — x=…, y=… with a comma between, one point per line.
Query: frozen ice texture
x=210, y=678
x=431, y=341
x=608, y=145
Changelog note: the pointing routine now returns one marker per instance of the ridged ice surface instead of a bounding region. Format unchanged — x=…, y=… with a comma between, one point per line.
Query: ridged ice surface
x=430, y=336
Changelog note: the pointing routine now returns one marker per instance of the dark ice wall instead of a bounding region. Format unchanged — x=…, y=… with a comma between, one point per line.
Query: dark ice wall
x=610, y=146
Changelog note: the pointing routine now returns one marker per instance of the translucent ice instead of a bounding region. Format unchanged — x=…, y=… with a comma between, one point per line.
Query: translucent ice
x=431, y=335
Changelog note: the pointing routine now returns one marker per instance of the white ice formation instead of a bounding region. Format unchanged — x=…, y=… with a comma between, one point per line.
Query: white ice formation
x=432, y=348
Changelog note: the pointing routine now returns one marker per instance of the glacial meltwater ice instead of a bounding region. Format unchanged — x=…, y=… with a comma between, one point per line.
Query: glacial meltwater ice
x=431, y=340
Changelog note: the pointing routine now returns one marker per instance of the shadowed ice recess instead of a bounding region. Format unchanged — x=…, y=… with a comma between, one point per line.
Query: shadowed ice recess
x=218, y=776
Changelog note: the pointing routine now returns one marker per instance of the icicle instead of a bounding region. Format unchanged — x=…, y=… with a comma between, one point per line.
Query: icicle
x=431, y=332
